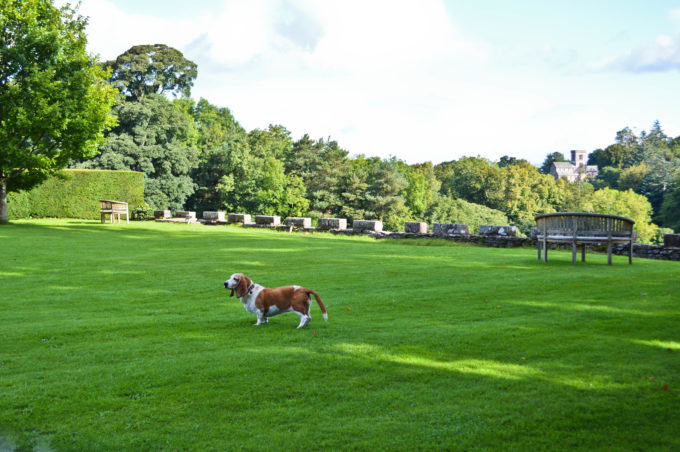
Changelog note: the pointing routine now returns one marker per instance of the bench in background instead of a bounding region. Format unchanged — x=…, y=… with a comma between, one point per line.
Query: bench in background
x=113, y=208
x=582, y=228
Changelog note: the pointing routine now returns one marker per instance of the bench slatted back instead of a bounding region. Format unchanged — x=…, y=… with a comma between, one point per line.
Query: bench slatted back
x=113, y=206
x=586, y=224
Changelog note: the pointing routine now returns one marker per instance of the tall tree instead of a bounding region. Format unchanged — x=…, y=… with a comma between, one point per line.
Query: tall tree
x=506, y=160
x=273, y=142
x=156, y=138
x=627, y=138
x=423, y=188
x=215, y=125
x=54, y=103
x=549, y=160
x=670, y=208
x=152, y=69
x=322, y=165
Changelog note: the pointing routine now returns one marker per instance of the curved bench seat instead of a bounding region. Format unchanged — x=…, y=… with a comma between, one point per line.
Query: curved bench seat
x=583, y=228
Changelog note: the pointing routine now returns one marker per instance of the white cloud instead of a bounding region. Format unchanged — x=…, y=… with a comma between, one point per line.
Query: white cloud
x=383, y=77
x=661, y=54
x=112, y=31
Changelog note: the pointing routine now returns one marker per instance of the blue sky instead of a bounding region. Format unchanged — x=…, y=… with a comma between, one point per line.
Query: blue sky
x=421, y=80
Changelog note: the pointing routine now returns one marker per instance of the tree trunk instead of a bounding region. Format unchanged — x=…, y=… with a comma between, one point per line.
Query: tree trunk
x=4, y=219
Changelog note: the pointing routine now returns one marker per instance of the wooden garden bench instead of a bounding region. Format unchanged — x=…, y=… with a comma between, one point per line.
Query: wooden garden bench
x=113, y=208
x=581, y=228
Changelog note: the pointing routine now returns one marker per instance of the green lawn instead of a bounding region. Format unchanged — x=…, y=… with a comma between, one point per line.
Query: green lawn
x=122, y=337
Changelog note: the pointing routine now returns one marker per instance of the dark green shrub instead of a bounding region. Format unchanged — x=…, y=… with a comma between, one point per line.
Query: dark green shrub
x=76, y=194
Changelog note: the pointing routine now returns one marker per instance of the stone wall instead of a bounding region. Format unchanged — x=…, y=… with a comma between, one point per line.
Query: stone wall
x=332, y=223
x=649, y=251
x=490, y=235
x=298, y=222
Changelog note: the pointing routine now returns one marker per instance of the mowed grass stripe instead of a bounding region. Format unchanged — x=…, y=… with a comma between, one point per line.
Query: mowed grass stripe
x=123, y=337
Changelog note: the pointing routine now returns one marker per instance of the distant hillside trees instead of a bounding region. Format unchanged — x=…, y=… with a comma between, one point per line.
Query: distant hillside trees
x=197, y=156
x=648, y=164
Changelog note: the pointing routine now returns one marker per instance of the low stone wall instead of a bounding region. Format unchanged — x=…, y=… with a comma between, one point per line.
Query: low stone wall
x=671, y=240
x=189, y=215
x=332, y=223
x=417, y=227
x=649, y=251
x=213, y=216
x=484, y=240
x=161, y=214
x=238, y=218
x=487, y=229
x=268, y=220
x=450, y=228
x=367, y=225
x=298, y=222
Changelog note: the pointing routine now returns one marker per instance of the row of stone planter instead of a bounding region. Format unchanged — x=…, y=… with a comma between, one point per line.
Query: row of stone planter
x=357, y=225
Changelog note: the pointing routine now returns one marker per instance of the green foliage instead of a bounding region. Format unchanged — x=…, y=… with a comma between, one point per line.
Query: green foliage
x=445, y=209
x=631, y=177
x=226, y=179
x=153, y=137
x=507, y=160
x=54, y=103
x=423, y=187
x=321, y=164
x=519, y=191
x=626, y=204
x=215, y=126
x=670, y=209
x=549, y=160
x=76, y=194
x=607, y=177
x=273, y=142
x=664, y=169
x=152, y=69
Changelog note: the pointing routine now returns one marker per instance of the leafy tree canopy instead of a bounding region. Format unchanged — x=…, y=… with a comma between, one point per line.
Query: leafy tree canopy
x=549, y=160
x=154, y=137
x=152, y=69
x=54, y=103
x=670, y=208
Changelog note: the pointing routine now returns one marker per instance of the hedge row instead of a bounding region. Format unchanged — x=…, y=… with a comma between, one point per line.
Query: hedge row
x=76, y=194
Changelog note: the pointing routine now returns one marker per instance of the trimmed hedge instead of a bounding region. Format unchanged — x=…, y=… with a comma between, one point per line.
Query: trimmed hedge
x=76, y=194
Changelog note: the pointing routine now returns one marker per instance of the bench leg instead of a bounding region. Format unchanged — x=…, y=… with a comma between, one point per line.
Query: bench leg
x=609, y=253
x=103, y=217
x=573, y=253
x=538, y=247
x=545, y=251
x=630, y=253
x=583, y=252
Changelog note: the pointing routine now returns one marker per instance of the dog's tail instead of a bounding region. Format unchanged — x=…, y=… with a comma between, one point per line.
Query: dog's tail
x=318, y=300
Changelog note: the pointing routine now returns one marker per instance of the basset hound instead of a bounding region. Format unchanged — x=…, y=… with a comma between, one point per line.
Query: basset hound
x=267, y=303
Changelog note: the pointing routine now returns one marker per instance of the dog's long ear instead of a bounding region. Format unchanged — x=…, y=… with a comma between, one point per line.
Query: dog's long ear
x=242, y=287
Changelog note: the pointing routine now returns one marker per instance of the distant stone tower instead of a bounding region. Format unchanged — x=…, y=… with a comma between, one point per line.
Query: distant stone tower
x=579, y=159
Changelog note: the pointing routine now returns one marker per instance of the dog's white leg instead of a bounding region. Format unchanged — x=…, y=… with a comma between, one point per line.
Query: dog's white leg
x=304, y=319
x=261, y=318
